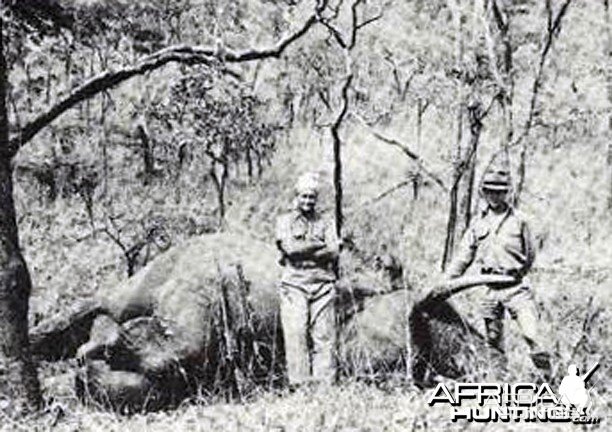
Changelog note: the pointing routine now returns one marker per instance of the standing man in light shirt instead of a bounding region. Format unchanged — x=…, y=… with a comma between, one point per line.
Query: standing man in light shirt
x=309, y=249
x=499, y=242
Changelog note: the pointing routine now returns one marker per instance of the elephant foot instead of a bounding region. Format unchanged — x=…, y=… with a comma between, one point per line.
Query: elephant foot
x=122, y=391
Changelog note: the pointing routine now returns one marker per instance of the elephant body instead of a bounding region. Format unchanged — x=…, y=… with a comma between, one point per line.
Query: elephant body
x=204, y=316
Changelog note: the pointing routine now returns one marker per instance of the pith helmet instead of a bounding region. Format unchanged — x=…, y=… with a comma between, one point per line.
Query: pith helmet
x=497, y=174
x=308, y=182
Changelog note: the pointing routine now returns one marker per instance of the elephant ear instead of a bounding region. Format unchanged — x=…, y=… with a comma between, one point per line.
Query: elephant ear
x=185, y=307
x=192, y=293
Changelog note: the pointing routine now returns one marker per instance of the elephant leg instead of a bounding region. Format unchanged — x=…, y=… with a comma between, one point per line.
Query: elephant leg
x=128, y=392
x=123, y=391
x=59, y=336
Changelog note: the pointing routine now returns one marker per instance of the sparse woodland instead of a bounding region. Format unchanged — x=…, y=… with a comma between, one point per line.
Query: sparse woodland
x=127, y=128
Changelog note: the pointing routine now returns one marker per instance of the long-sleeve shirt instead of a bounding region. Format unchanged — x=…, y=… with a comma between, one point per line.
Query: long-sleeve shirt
x=499, y=244
x=295, y=231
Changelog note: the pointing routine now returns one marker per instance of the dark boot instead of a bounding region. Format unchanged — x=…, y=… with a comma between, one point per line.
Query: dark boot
x=541, y=360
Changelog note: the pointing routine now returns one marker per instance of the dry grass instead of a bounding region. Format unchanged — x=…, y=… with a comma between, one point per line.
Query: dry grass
x=350, y=406
x=580, y=335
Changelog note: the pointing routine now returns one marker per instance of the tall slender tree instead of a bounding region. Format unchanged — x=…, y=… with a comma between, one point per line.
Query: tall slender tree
x=18, y=378
x=606, y=4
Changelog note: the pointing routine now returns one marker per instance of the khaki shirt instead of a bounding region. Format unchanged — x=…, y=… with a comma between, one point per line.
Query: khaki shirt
x=499, y=245
x=295, y=227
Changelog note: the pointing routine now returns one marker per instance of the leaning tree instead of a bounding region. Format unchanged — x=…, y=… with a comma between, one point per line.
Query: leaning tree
x=19, y=384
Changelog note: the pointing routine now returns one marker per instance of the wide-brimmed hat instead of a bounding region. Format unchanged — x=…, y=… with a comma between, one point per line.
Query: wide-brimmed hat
x=497, y=174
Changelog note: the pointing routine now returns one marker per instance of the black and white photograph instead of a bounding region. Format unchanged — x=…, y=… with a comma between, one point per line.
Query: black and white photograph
x=305, y=215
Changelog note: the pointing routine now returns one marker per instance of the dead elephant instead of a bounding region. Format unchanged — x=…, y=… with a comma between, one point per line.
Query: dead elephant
x=204, y=316
x=180, y=321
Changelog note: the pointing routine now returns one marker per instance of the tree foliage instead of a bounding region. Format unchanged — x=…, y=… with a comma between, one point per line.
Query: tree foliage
x=117, y=157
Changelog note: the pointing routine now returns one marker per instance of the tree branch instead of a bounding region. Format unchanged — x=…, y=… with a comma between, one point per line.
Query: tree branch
x=356, y=25
x=335, y=32
x=354, y=21
x=500, y=20
x=408, y=152
x=175, y=54
x=492, y=56
x=370, y=20
x=552, y=31
x=487, y=110
x=383, y=194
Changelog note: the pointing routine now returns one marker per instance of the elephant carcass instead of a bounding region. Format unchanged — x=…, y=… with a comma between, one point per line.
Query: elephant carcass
x=394, y=332
x=191, y=311
x=205, y=313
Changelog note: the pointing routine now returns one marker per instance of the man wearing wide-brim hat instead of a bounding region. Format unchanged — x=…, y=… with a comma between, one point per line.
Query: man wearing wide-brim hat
x=499, y=242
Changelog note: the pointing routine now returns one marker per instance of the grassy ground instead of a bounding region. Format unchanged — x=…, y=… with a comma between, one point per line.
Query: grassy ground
x=578, y=334
x=347, y=407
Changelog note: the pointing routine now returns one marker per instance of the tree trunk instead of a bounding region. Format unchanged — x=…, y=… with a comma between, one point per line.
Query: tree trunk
x=508, y=96
x=338, y=191
x=462, y=190
x=220, y=182
x=249, y=163
x=609, y=85
x=475, y=115
x=454, y=198
x=337, y=150
x=421, y=108
x=147, y=152
x=449, y=244
x=18, y=378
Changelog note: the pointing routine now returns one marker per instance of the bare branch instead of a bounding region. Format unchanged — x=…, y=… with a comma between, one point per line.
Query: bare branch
x=356, y=25
x=383, y=195
x=423, y=107
x=549, y=16
x=500, y=20
x=495, y=97
x=396, y=73
x=493, y=57
x=369, y=21
x=335, y=32
x=324, y=99
x=407, y=151
x=401, y=88
x=175, y=54
x=557, y=23
x=551, y=32
x=354, y=19
x=115, y=239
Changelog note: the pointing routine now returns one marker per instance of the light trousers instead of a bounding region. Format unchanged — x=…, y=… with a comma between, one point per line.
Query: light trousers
x=309, y=330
